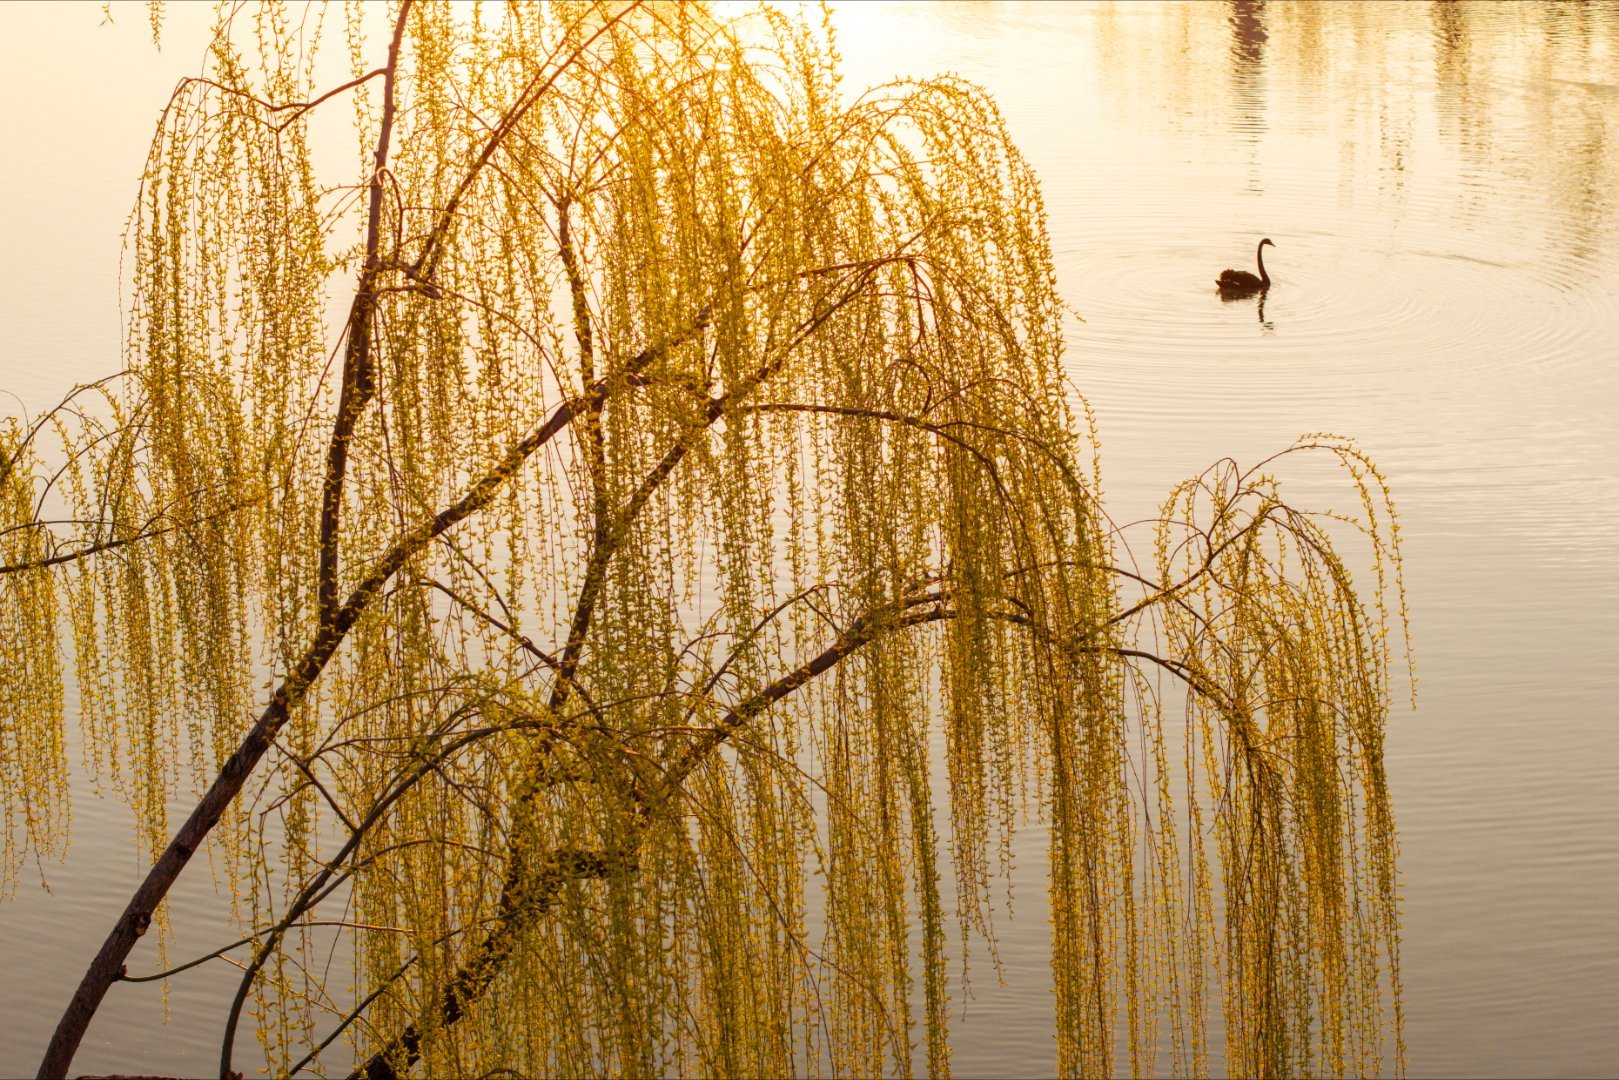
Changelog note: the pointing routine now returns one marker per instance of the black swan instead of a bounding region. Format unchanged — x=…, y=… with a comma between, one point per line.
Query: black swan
x=1241, y=282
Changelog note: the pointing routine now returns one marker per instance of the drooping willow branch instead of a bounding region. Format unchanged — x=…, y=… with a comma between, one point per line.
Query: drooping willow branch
x=137, y=915
x=528, y=892
x=798, y=350
x=478, y=972
x=358, y=380
x=331, y=875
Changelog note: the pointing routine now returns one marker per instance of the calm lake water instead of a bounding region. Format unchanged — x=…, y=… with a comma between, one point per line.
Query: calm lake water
x=1440, y=182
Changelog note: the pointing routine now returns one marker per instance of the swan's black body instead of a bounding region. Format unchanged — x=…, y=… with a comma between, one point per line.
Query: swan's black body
x=1241, y=282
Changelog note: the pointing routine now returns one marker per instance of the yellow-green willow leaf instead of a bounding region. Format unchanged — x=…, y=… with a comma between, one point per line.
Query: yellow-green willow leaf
x=642, y=506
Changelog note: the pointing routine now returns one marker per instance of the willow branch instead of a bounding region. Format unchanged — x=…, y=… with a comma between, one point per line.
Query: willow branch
x=107, y=965
x=476, y=974
x=359, y=381
x=473, y=978
x=298, y=107
x=312, y=891
x=433, y=249
x=100, y=546
x=523, y=901
x=899, y=614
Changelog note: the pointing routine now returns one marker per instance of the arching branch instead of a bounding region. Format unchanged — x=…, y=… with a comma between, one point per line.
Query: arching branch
x=137, y=915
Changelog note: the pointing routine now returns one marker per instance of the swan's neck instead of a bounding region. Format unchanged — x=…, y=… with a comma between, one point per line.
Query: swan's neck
x=1264, y=278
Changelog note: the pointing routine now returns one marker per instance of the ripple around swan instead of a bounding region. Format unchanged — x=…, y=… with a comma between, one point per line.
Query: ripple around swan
x=1479, y=274
x=1362, y=310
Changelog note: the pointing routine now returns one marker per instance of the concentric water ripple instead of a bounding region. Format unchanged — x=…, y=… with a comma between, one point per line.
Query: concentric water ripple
x=1428, y=294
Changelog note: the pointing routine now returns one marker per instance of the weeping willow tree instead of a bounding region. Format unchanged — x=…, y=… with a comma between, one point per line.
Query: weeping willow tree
x=628, y=562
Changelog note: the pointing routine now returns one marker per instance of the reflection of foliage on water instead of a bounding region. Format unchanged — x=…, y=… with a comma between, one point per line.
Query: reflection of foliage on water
x=1520, y=93
x=696, y=455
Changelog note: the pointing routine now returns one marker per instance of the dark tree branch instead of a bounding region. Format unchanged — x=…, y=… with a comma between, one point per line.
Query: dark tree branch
x=542, y=888
x=107, y=965
x=100, y=546
x=359, y=380
x=933, y=605
x=433, y=249
x=530, y=892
